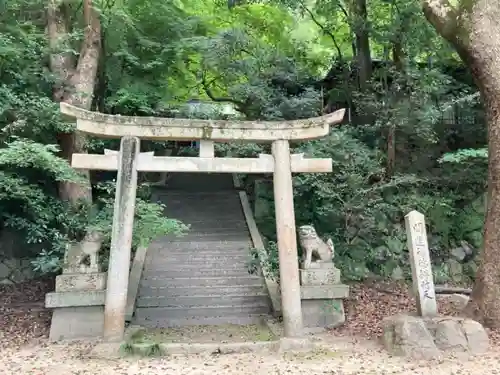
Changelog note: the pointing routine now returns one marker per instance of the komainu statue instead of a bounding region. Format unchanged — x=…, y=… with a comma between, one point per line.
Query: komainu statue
x=83, y=257
x=314, y=248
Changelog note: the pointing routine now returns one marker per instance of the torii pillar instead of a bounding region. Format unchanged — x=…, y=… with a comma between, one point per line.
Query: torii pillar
x=287, y=240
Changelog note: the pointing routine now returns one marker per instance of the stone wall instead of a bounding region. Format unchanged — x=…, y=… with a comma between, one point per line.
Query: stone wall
x=15, y=258
x=14, y=271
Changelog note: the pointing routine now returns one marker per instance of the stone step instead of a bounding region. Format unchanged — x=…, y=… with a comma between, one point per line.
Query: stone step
x=160, y=191
x=162, y=282
x=212, y=237
x=165, y=252
x=194, y=271
x=204, y=301
x=203, y=203
x=216, y=234
x=192, y=257
x=180, y=244
x=190, y=213
x=154, y=313
x=164, y=322
x=156, y=265
x=216, y=225
x=189, y=290
x=203, y=220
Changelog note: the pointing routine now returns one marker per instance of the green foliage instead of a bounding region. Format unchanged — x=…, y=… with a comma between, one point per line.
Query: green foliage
x=266, y=260
x=149, y=224
x=26, y=202
x=269, y=59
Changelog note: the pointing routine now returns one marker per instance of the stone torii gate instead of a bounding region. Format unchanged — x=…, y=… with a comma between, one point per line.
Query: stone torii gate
x=128, y=161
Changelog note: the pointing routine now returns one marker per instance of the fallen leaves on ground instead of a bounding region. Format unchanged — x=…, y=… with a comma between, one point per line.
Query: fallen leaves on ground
x=23, y=316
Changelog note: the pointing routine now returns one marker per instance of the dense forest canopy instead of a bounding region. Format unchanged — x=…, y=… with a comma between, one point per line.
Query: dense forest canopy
x=414, y=138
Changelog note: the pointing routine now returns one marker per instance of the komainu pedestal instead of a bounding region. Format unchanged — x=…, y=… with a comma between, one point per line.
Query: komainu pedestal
x=78, y=300
x=321, y=295
x=321, y=292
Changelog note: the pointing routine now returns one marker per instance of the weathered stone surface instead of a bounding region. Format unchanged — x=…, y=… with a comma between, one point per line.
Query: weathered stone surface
x=77, y=254
x=458, y=301
x=320, y=276
x=73, y=299
x=4, y=271
x=16, y=270
x=450, y=336
x=324, y=291
x=420, y=261
x=100, y=124
x=81, y=282
x=314, y=248
x=405, y=335
x=477, y=337
x=324, y=313
x=75, y=323
x=455, y=270
x=397, y=273
x=458, y=253
x=431, y=337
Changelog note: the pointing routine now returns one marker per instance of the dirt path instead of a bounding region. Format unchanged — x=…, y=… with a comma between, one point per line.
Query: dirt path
x=341, y=358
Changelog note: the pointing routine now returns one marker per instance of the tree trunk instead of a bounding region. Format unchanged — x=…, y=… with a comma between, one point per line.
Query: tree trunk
x=359, y=15
x=76, y=81
x=472, y=27
x=391, y=151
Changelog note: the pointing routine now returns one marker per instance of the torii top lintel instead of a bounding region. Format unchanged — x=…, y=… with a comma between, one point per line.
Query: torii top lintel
x=158, y=128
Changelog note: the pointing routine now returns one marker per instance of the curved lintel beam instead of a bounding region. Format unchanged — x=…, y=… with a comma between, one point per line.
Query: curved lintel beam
x=159, y=128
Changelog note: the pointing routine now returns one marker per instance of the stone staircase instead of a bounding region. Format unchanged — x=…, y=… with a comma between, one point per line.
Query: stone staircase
x=201, y=278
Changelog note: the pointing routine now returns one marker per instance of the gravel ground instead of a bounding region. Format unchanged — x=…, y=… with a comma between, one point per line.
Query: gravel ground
x=352, y=349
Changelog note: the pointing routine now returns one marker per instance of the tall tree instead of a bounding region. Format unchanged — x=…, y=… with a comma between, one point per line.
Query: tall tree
x=76, y=78
x=472, y=27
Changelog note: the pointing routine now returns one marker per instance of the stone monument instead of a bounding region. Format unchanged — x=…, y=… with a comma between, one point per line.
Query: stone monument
x=78, y=300
x=320, y=287
x=425, y=335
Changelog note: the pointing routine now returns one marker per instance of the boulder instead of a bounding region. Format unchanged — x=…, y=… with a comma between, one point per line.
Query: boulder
x=430, y=338
x=458, y=301
x=458, y=253
x=455, y=270
x=397, y=273
x=406, y=335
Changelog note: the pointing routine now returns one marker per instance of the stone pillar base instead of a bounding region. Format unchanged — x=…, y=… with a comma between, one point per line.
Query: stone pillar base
x=76, y=323
x=321, y=296
x=78, y=304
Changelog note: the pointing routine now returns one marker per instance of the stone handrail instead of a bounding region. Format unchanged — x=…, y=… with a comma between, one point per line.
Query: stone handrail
x=134, y=279
x=271, y=285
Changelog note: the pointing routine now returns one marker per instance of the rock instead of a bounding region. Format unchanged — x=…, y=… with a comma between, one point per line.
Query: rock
x=464, y=250
x=458, y=253
x=405, y=335
x=4, y=271
x=450, y=337
x=430, y=338
x=458, y=301
x=455, y=270
x=469, y=250
x=476, y=336
x=470, y=269
x=397, y=273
